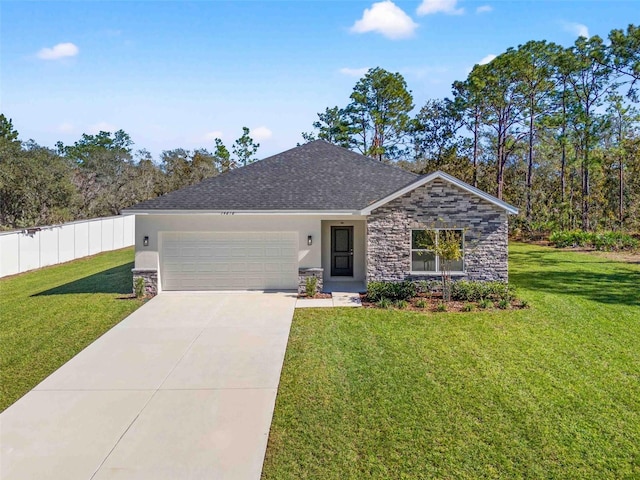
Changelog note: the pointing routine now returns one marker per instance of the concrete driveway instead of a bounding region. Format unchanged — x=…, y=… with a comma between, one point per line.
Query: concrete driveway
x=184, y=388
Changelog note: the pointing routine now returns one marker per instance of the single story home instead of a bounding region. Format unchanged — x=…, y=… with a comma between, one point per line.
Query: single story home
x=321, y=210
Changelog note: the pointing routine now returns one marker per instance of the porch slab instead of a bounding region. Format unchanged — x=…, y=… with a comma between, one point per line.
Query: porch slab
x=332, y=286
x=338, y=299
x=314, y=302
x=346, y=299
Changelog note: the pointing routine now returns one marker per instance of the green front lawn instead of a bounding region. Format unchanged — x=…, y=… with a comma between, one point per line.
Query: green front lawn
x=49, y=315
x=548, y=392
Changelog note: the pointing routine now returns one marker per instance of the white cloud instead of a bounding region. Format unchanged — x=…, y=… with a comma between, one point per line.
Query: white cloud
x=65, y=127
x=261, y=133
x=577, y=29
x=354, y=72
x=387, y=19
x=486, y=59
x=428, y=7
x=58, y=51
x=484, y=9
x=211, y=136
x=101, y=127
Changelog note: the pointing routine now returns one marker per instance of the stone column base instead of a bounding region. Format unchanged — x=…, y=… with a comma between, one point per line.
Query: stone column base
x=304, y=273
x=150, y=277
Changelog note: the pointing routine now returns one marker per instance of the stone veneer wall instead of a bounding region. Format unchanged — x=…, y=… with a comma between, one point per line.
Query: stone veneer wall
x=150, y=278
x=437, y=204
x=304, y=273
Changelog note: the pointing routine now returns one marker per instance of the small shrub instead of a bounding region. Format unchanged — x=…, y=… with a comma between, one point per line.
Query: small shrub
x=404, y=290
x=485, y=303
x=427, y=287
x=311, y=286
x=139, y=287
x=422, y=303
x=524, y=304
x=468, y=307
x=391, y=291
x=384, y=303
x=467, y=291
x=377, y=291
x=441, y=307
x=402, y=304
x=607, y=241
x=614, y=241
x=503, y=304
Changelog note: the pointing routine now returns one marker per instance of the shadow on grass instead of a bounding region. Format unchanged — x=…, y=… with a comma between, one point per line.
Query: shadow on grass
x=618, y=286
x=114, y=280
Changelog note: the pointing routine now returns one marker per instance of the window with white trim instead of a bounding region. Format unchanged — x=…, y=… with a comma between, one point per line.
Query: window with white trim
x=423, y=256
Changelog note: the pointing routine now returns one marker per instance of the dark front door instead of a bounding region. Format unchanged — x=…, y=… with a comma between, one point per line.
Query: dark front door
x=342, y=251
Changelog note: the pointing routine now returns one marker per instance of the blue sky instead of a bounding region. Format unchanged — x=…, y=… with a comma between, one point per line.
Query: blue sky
x=178, y=74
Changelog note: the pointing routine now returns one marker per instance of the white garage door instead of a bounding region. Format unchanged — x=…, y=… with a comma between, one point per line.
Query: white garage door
x=229, y=260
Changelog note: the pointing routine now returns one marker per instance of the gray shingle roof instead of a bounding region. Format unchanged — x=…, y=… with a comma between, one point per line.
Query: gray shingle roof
x=314, y=176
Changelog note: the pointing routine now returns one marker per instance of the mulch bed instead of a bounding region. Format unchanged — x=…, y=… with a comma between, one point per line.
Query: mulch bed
x=432, y=304
x=316, y=296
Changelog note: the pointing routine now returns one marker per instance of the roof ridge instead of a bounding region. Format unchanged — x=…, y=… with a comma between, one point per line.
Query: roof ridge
x=362, y=156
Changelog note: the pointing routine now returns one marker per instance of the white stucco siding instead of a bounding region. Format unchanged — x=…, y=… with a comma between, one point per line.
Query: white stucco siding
x=151, y=226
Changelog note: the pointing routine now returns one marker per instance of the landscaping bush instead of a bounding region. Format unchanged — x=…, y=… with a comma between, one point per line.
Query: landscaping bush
x=138, y=288
x=384, y=303
x=391, y=291
x=606, y=241
x=311, y=286
x=427, y=287
x=467, y=291
x=485, y=303
x=402, y=304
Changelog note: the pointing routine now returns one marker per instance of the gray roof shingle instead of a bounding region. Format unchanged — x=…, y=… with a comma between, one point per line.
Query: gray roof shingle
x=314, y=176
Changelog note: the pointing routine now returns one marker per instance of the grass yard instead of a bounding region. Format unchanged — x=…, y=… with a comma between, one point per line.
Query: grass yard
x=548, y=392
x=49, y=315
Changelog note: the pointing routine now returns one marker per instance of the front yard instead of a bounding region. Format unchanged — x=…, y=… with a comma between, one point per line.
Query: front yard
x=552, y=391
x=49, y=315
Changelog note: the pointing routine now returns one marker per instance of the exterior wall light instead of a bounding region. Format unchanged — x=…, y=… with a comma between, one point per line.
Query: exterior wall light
x=309, y=240
x=145, y=241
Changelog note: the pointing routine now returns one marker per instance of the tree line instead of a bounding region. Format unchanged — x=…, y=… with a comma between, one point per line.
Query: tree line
x=99, y=175
x=553, y=130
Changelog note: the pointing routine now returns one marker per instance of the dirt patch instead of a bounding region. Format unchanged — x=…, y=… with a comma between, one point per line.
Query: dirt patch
x=625, y=257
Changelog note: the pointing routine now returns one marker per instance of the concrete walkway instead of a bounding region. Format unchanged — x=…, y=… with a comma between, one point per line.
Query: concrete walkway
x=184, y=388
x=338, y=299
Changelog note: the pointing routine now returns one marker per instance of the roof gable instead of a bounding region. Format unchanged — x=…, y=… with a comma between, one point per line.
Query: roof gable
x=448, y=178
x=311, y=177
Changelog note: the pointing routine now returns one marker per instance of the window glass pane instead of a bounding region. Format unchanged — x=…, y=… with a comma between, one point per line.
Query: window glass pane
x=341, y=240
x=456, y=265
x=424, y=239
x=451, y=235
x=423, y=261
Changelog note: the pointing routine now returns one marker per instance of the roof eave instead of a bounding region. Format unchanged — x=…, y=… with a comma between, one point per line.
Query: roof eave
x=448, y=178
x=142, y=211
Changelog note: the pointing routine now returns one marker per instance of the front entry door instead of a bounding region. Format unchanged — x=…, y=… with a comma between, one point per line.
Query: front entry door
x=342, y=251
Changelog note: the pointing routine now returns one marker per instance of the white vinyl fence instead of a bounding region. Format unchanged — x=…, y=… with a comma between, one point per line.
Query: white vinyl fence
x=38, y=247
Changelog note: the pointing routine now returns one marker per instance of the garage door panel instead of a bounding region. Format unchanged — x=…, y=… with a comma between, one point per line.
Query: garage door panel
x=229, y=260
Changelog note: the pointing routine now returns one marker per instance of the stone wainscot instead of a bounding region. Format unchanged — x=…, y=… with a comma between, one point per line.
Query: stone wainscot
x=437, y=204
